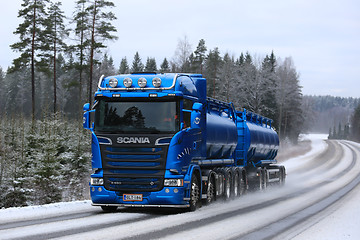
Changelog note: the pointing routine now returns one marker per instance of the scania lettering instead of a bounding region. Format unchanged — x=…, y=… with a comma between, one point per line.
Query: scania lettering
x=159, y=141
x=127, y=140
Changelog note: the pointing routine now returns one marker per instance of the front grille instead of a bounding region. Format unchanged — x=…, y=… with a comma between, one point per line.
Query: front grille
x=131, y=169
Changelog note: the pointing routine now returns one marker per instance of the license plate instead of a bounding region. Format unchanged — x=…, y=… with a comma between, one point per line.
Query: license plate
x=133, y=197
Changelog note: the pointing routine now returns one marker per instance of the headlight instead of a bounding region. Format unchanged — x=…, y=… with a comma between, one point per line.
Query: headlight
x=156, y=82
x=173, y=182
x=97, y=181
x=113, y=82
x=127, y=82
x=142, y=82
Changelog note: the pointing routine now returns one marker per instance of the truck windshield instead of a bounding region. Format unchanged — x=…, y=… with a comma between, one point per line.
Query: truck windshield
x=139, y=117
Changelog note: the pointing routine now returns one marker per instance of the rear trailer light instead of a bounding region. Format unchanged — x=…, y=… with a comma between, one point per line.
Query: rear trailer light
x=97, y=181
x=173, y=182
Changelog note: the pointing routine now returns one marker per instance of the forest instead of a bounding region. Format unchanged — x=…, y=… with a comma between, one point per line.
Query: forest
x=45, y=154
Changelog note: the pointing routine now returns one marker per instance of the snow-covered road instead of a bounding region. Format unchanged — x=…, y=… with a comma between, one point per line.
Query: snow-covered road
x=318, y=201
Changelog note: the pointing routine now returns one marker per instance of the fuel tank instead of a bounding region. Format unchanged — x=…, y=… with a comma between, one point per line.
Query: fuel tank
x=221, y=135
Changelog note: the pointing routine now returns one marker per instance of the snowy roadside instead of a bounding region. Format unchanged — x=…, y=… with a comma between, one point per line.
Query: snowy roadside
x=43, y=211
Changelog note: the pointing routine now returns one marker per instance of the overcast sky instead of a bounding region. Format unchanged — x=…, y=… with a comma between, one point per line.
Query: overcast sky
x=322, y=36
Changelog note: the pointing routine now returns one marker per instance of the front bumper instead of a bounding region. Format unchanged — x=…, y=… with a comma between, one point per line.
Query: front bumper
x=172, y=197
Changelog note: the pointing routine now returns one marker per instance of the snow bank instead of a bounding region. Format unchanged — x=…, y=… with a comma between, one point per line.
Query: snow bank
x=43, y=211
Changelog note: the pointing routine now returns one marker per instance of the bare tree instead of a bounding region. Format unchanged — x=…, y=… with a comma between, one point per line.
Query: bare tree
x=182, y=54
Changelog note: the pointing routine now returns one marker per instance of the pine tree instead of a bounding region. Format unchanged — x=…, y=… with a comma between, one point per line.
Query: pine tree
x=269, y=104
x=56, y=32
x=289, y=98
x=101, y=29
x=212, y=64
x=32, y=40
x=81, y=19
x=150, y=65
x=2, y=91
x=124, y=66
x=199, y=58
x=107, y=66
x=355, y=124
x=137, y=65
x=164, y=67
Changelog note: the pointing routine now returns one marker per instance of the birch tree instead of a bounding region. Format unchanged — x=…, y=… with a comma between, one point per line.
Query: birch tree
x=182, y=54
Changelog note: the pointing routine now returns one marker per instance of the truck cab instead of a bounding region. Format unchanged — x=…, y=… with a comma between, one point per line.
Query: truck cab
x=143, y=140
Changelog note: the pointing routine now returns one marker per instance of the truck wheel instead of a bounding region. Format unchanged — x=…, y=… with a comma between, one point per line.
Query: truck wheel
x=227, y=193
x=210, y=193
x=243, y=185
x=109, y=209
x=194, y=193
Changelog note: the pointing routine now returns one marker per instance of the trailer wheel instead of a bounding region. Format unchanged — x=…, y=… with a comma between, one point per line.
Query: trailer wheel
x=227, y=190
x=258, y=185
x=109, y=209
x=194, y=193
x=211, y=193
x=263, y=179
x=282, y=175
x=243, y=184
x=237, y=185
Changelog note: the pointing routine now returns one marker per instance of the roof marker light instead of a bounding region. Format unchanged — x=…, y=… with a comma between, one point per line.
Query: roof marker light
x=127, y=82
x=113, y=82
x=142, y=82
x=156, y=82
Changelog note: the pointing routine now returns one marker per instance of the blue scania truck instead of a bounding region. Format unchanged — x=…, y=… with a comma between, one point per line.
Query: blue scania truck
x=159, y=141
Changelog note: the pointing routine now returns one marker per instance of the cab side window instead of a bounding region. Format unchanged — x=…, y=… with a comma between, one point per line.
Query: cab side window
x=187, y=108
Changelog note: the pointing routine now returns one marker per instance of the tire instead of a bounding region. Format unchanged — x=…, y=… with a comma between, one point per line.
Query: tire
x=243, y=186
x=236, y=185
x=211, y=191
x=260, y=179
x=282, y=175
x=227, y=188
x=263, y=179
x=194, y=193
x=109, y=209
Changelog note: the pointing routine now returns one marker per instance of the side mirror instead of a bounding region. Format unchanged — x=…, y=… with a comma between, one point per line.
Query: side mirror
x=196, y=115
x=86, y=118
x=197, y=107
x=86, y=107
